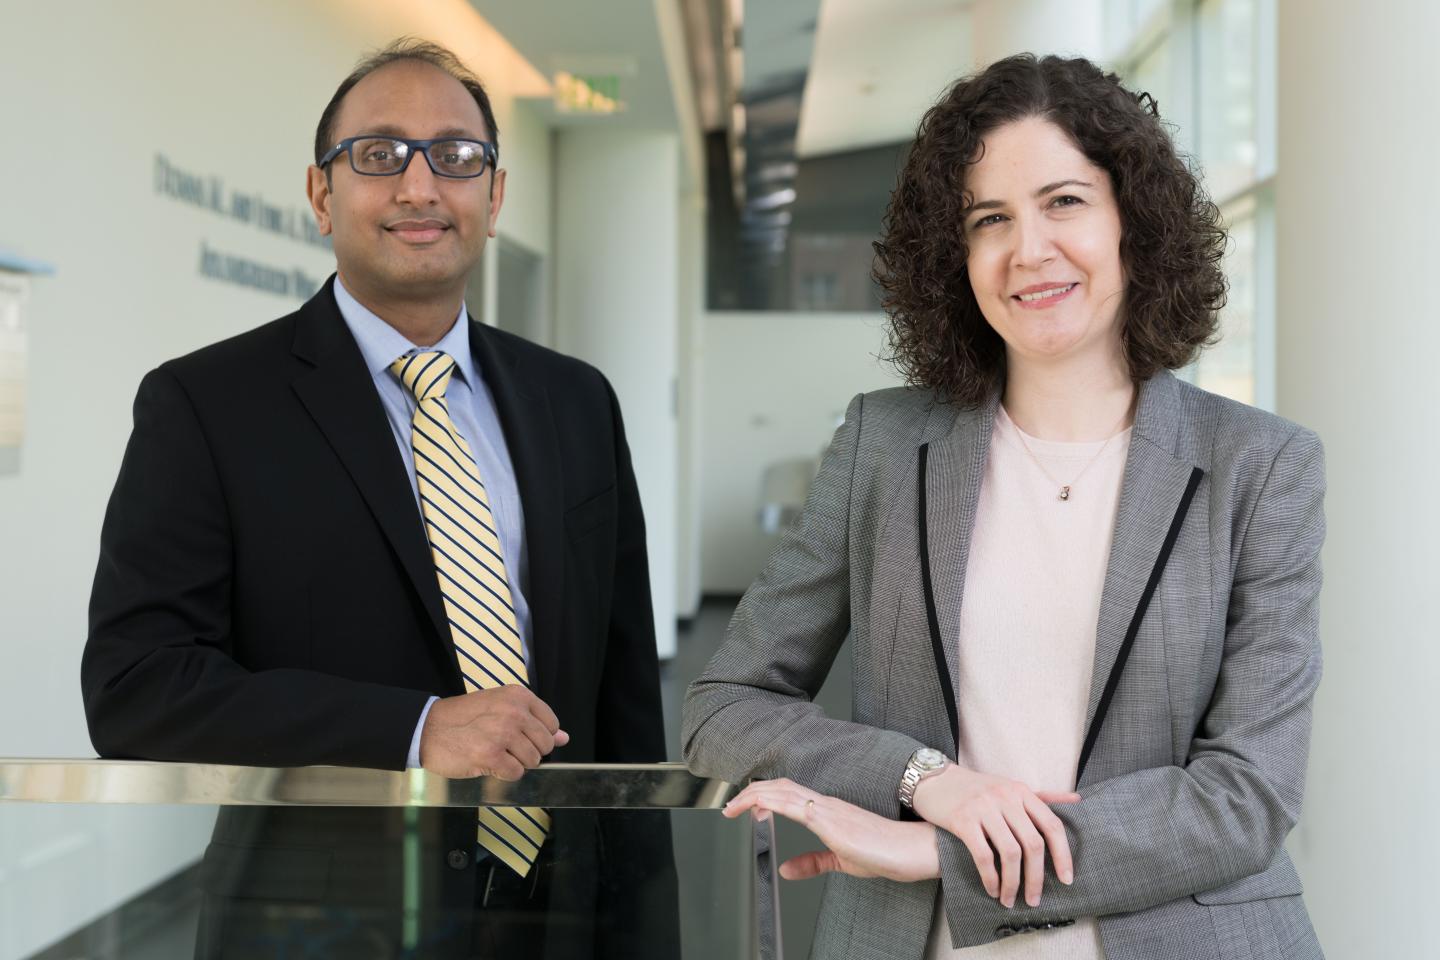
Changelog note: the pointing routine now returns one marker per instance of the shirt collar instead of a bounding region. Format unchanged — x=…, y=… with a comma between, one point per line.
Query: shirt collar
x=381, y=344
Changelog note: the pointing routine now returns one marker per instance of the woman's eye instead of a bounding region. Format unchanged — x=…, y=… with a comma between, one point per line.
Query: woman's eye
x=986, y=221
x=1067, y=201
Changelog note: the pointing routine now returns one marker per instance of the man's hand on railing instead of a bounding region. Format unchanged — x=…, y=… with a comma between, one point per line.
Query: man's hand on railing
x=499, y=733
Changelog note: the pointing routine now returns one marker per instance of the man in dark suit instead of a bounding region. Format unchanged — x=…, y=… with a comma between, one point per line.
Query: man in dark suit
x=376, y=533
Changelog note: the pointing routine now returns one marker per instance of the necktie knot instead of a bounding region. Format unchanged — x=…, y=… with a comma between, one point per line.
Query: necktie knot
x=426, y=375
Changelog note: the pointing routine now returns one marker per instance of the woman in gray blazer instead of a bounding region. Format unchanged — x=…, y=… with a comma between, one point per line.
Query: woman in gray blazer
x=1082, y=594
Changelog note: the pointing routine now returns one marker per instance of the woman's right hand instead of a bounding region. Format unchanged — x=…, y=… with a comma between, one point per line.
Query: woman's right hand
x=1000, y=820
x=858, y=842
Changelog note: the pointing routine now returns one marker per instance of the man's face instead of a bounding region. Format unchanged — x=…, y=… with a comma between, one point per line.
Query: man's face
x=413, y=235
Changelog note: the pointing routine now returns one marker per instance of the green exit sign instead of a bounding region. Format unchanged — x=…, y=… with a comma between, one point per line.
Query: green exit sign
x=587, y=93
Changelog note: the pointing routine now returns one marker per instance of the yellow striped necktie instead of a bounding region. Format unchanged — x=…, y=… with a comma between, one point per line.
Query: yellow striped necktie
x=470, y=565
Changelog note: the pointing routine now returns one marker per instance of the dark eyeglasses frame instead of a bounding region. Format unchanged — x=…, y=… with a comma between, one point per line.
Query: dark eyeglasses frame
x=421, y=147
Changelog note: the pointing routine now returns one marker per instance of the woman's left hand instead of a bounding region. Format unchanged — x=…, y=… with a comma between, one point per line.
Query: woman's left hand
x=860, y=843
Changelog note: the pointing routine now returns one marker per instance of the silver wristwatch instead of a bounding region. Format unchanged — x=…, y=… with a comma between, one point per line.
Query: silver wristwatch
x=925, y=762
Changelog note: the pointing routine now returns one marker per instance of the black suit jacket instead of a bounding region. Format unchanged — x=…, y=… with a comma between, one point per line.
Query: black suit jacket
x=265, y=593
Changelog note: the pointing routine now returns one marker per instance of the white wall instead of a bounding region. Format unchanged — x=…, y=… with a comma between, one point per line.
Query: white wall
x=1357, y=347
x=97, y=89
x=689, y=438
x=616, y=305
x=774, y=386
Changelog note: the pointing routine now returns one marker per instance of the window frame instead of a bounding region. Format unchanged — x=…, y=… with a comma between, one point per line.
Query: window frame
x=1176, y=24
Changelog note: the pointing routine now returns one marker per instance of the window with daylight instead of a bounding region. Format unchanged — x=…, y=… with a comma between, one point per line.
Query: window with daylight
x=1210, y=64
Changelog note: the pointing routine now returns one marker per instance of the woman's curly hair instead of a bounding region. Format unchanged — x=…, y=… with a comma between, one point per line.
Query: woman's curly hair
x=1171, y=241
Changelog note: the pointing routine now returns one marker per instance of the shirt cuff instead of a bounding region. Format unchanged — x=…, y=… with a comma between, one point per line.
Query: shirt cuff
x=412, y=762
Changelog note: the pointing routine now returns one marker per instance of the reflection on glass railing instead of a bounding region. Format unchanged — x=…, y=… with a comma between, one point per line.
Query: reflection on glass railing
x=130, y=860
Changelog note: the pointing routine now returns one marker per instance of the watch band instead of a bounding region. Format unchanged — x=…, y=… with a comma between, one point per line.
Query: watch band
x=925, y=762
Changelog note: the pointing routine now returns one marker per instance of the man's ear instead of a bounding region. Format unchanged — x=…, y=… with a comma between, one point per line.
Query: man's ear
x=497, y=198
x=317, y=188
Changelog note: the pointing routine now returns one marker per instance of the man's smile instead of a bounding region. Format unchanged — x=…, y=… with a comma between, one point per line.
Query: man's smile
x=418, y=231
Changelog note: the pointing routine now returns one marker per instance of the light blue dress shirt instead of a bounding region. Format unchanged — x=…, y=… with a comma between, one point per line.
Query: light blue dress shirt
x=472, y=408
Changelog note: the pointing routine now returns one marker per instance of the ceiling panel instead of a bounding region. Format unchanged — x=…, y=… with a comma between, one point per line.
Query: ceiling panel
x=877, y=67
x=616, y=37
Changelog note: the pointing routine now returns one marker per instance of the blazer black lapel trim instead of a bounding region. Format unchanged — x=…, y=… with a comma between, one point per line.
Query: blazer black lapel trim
x=1154, y=484
x=937, y=645
x=1113, y=681
x=340, y=395
x=525, y=415
x=954, y=465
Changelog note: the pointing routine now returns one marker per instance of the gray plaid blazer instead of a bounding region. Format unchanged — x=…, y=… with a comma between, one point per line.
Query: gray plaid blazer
x=1198, y=770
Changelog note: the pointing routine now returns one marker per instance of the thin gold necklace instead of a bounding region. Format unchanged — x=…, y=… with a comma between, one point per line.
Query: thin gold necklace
x=1065, y=487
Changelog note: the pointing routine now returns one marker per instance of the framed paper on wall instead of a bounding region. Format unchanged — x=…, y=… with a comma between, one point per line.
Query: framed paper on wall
x=15, y=276
x=13, y=287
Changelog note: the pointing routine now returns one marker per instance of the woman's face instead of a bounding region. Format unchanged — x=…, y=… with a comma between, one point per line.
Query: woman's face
x=1044, y=238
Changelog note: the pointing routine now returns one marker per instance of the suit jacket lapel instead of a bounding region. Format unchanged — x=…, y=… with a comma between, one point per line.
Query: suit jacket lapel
x=340, y=395
x=1153, y=486
x=955, y=466
x=525, y=415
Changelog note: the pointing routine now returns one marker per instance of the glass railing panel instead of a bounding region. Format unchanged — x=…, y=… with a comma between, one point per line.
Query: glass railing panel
x=129, y=860
x=68, y=867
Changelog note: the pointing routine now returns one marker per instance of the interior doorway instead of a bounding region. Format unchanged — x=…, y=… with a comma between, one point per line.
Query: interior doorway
x=520, y=299
x=518, y=275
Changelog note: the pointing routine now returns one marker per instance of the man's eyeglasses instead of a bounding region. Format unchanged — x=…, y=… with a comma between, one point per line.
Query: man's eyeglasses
x=388, y=156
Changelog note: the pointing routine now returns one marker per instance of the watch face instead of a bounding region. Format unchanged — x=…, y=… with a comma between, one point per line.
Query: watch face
x=928, y=758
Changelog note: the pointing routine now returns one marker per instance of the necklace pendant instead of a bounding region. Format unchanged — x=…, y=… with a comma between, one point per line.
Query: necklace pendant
x=1065, y=493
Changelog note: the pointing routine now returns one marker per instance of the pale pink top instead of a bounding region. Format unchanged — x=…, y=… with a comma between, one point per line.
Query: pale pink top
x=1027, y=637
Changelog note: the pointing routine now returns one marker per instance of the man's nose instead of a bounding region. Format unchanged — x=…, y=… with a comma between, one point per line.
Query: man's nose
x=417, y=185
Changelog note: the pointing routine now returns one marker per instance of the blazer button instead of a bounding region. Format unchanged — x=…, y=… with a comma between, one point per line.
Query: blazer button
x=1005, y=931
x=457, y=859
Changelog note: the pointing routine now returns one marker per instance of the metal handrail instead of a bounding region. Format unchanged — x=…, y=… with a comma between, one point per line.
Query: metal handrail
x=630, y=786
